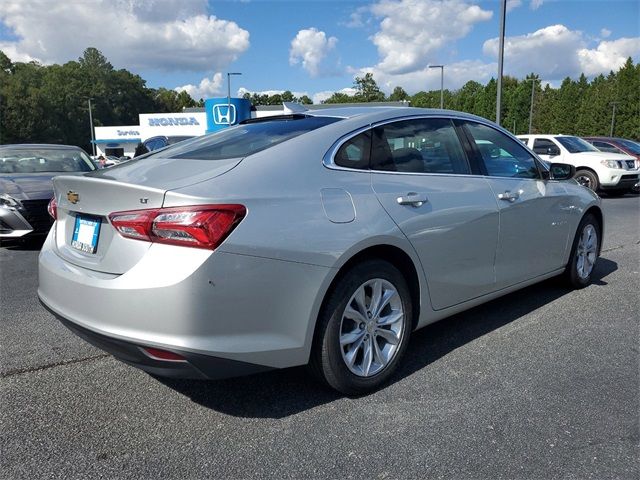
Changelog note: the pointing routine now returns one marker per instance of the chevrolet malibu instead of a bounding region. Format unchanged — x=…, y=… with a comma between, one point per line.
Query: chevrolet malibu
x=320, y=237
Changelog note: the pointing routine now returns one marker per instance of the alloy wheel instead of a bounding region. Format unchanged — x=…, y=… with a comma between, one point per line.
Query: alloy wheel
x=372, y=327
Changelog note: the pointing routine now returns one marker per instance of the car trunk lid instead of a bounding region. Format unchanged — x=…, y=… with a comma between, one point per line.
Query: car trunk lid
x=84, y=235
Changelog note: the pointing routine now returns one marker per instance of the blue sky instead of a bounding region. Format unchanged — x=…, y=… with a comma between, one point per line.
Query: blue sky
x=317, y=47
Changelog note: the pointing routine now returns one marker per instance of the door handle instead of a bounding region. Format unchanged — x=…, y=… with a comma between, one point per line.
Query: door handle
x=510, y=196
x=414, y=199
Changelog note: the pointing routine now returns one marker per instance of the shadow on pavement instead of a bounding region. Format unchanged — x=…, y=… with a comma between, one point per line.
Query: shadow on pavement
x=286, y=392
x=24, y=244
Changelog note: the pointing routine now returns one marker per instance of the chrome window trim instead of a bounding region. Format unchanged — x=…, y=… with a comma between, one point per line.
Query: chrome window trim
x=328, y=160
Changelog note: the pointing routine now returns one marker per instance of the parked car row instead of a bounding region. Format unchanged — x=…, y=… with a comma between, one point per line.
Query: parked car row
x=602, y=164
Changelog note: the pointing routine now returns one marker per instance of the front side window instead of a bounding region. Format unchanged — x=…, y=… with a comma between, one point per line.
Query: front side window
x=428, y=145
x=502, y=156
x=544, y=146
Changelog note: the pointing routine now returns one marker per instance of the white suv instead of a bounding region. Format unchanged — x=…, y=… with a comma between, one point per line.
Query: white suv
x=613, y=173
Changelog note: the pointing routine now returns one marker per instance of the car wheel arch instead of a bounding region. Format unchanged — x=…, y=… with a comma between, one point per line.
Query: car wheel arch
x=393, y=254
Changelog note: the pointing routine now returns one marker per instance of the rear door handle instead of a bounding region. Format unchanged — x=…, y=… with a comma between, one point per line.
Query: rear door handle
x=510, y=196
x=414, y=199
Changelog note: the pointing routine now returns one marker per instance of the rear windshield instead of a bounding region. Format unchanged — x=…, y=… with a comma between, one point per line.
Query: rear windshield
x=43, y=160
x=243, y=140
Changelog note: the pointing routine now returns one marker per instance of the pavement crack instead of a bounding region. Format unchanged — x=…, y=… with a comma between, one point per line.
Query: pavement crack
x=21, y=371
x=610, y=249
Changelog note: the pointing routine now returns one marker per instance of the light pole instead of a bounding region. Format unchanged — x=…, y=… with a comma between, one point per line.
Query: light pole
x=229, y=95
x=533, y=89
x=93, y=142
x=503, y=13
x=441, y=67
x=613, y=117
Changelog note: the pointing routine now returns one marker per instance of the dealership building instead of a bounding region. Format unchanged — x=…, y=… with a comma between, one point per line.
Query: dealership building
x=217, y=113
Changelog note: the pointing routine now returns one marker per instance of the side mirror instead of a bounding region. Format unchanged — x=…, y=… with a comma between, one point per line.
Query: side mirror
x=553, y=151
x=561, y=171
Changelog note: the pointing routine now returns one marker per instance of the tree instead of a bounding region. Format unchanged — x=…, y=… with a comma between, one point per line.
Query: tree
x=367, y=89
x=399, y=95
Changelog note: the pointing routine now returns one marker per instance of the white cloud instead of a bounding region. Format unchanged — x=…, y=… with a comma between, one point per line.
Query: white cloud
x=511, y=4
x=608, y=55
x=320, y=97
x=536, y=4
x=556, y=52
x=309, y=47
x=550, y=52
x=207, y=88
x=413, y=31
x=605, y=33
x=135, y=34
x=455, y=76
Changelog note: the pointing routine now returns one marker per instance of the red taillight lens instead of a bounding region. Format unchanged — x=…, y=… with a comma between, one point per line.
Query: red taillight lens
x=167, y=356
x=52, y=208
x=200, y=226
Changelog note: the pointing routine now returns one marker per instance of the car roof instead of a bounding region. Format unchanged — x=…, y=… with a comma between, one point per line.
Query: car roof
x=381, y=112
x=51, y=146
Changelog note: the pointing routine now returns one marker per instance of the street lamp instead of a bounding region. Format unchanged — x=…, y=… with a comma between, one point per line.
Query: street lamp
x=229, y=95
x=533, y=89
x=93, y=140
x=503, y=13
x=613, y=117
x=441, y=67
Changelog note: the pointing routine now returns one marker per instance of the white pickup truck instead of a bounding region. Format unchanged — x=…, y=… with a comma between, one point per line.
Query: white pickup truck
x=612, y=173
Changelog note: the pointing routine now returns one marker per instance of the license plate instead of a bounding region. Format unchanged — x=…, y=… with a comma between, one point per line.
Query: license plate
x=85, y=234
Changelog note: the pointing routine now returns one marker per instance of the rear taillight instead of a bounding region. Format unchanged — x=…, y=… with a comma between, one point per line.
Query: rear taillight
x=200, y=226
x=52, y=208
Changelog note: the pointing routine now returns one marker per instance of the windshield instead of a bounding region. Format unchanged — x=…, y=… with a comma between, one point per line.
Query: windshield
x=44, y=160
x=243, y=140
x=633, y=147
x=576, y=145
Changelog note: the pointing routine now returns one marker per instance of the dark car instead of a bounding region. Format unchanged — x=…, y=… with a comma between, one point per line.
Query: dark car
x=616, y=145
x=25, y=184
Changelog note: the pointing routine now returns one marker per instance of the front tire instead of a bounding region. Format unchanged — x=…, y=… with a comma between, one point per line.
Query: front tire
x=363, y=329
x=584, y=253
x=588, y=179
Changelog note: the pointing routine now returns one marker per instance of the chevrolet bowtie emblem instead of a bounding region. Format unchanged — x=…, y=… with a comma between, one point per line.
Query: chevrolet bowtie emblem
x=73, y=197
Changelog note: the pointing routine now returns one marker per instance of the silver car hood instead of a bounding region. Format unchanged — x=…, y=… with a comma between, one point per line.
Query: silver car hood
x=165, y=173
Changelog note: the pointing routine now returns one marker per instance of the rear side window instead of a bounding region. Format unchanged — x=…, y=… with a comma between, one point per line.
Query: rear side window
x=245, y=140
x=502, y=156
x=542, y=145
x=355, y=152
x=426, y=145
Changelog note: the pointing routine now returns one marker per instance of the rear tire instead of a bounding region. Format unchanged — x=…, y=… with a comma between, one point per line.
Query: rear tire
x=584, y=252
x=363, y=329
x=588, y=179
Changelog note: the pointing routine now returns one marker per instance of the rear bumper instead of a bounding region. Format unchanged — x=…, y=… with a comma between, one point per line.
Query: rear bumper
x=196, y=366
x=199, y=304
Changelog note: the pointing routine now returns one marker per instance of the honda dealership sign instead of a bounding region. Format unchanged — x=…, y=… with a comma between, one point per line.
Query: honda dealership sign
x=190, y=124
x=221, y=113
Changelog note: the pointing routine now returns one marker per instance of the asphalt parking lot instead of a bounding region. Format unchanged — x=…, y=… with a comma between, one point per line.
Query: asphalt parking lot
x=543, y=383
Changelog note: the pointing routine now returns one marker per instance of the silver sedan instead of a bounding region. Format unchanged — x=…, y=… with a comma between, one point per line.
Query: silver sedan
x=323, y=237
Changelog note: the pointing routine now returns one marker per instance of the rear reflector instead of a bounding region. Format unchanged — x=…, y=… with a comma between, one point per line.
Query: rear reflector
x=200, y=226
x=52, y=208
x=164, y=355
